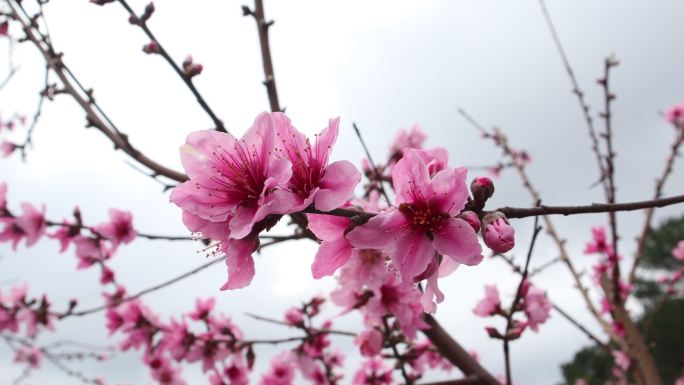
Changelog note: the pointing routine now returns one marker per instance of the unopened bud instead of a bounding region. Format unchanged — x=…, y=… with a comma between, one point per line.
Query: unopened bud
x=482, y=189
x=493, y=333
x=149, y=10
x=498, y=234
x=7, y=148
x=151, y=47
x=101, y=2
x=472, y=219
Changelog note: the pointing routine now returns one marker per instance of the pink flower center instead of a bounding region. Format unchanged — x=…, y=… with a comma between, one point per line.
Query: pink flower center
x=308, y=166
x=239, y=173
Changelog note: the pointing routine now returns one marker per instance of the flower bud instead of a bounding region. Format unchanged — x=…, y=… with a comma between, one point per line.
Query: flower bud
x=472, y=219
x=482, y=189
x=4, y=28
x=151, y=47
x=149, y=10
x=493, y=333
x=7, y=148
x=101, y=2
x=497, y=232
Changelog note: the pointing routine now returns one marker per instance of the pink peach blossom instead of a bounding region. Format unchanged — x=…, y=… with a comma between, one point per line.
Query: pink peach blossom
x=537, y=307
x=30, y=355
x=369, y=342
x=405, y=139
x=119, y=229
x=425, y=222
x=327, y=186
x=490, y=304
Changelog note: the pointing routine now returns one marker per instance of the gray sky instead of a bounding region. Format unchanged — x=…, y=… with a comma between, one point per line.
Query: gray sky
x=384, y=65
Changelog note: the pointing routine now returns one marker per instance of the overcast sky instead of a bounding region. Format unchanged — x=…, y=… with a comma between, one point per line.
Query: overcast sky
x=382, y=64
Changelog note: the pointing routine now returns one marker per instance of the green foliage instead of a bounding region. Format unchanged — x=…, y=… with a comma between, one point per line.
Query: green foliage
x=591, y=363
x=659, y=245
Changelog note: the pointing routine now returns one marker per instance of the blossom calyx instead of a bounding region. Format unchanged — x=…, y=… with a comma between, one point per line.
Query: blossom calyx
x=497, y=233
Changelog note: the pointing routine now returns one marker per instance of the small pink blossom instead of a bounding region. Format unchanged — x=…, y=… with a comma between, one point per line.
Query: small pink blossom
x=65, y=234
x=7, y=148
x=537, y=307
x=4, y=28
x=675, y=114
x=280, y=372
x=3, y=198
x=405, y=139
x=497, y=233
x=30, y=355
x=119, y=229
x=30, y=226
x=678, y=251
x=621, y=359
x=490, y=304
x=202, y=308
x=294, y=317
x=373, y=372
x=369, y=342
x=599, y=242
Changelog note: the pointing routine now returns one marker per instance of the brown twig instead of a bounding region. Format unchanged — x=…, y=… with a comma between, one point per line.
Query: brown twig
x=262, y=27
x=516, y=302
x=186, y=79
x=560, y=310
x=452, y=351
x=584, y=106
x=659, y=185
x=610, y=169
x=83, y=97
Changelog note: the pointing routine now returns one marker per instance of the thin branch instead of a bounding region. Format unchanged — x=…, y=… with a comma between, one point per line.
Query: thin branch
x=516, y=301
x=452, y=351
x=610, y=169
x=74, y=88
x=262, y=27
x=562, y=312
x=186, y=79
x=381, y=185
x=660, y=184
x=150, y=289
x=584, y=106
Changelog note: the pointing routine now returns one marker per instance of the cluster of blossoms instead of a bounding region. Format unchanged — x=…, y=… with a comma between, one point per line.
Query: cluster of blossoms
x=93, y=245
x=533, y=304
x=18, y=311
x=318, y=364
x=239, y=188
x=220, y=348
x=603, y=272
